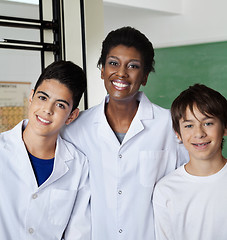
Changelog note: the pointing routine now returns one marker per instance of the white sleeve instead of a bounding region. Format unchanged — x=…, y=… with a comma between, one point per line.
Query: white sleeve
x=79, y=226
x=163, y=230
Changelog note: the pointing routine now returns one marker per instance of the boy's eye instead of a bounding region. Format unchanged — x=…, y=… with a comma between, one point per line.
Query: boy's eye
x=188, y=126
x=42, y=98
x=208, y=124
x=62, y=106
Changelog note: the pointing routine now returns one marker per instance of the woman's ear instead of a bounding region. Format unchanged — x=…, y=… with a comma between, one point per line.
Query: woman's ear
x=144, y=82
x=102, y=72
x=73, y=115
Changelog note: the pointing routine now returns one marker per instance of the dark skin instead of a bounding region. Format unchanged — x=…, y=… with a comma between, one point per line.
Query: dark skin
x=120, y=116
x=123, y=75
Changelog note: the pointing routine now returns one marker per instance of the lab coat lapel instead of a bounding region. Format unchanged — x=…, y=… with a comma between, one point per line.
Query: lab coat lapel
x=144, y=112
x=135, y=127
x=103, y=128
x=22, y=162
x=20, y=156
x=105, y=131
x=62, y=155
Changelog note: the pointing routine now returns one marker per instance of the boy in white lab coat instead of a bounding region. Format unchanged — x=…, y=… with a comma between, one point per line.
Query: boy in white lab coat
x=190, y=203
x=43, y=179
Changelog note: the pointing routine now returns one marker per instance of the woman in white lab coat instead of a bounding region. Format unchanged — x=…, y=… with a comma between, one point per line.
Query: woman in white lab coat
x=128, y=140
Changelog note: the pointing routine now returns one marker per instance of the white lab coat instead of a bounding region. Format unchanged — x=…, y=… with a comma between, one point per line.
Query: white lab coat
x=122, y=176
x=60, y=204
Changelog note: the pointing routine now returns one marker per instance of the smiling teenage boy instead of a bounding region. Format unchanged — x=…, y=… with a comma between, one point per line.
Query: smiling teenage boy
x=44, y=179
x=190, y=203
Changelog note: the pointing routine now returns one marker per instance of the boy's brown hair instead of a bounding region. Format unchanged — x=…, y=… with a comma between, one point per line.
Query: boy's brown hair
x=208, y=101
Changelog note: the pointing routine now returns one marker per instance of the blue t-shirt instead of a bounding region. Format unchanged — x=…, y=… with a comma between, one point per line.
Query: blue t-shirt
x=42, y=168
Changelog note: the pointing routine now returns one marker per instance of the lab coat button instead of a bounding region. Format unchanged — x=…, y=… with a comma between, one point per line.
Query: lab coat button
x=119, y=192
x=30, y=230
x=120, y=156
x=120, y=230
x=34, y=196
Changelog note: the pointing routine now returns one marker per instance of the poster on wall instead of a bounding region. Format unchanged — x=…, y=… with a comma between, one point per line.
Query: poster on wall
x=13, y=103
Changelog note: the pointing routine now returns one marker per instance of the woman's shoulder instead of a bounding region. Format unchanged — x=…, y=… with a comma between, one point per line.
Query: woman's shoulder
x=90, y=112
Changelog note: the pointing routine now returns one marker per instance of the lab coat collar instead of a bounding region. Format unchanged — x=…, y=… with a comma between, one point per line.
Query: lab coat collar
x=20, y=156
x=144, y=112
x=62, y=156
x=145, y=109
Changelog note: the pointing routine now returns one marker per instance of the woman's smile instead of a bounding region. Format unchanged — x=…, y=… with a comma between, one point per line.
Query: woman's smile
x=123, y=72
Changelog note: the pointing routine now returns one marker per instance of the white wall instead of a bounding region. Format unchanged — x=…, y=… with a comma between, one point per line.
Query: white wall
x=94, y=37
x=201, y=21
x=173, y=6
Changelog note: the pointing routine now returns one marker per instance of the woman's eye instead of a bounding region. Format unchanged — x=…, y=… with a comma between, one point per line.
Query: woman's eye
x=134, y=66
x=113, y=63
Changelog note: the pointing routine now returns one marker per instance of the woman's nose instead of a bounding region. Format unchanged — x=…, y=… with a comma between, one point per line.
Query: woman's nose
x=122, y=72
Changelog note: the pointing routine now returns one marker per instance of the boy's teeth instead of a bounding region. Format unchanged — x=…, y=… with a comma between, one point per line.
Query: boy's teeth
x=202, y=144
x=118, y=84
x=42, y=120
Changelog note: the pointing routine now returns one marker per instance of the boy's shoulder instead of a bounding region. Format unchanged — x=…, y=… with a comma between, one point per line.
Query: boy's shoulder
x=12, y=135
x=172, y=178
x=168, y=186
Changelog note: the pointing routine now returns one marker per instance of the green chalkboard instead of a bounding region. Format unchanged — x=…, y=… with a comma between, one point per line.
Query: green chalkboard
x=177, y=68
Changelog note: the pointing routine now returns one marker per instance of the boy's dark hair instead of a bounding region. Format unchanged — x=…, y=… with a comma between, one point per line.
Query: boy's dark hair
x=67, y=73
x=208, y=101
x=129, y=37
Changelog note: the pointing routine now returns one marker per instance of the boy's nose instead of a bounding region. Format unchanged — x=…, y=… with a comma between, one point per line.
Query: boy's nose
x=200, y=132
x=48, y=108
